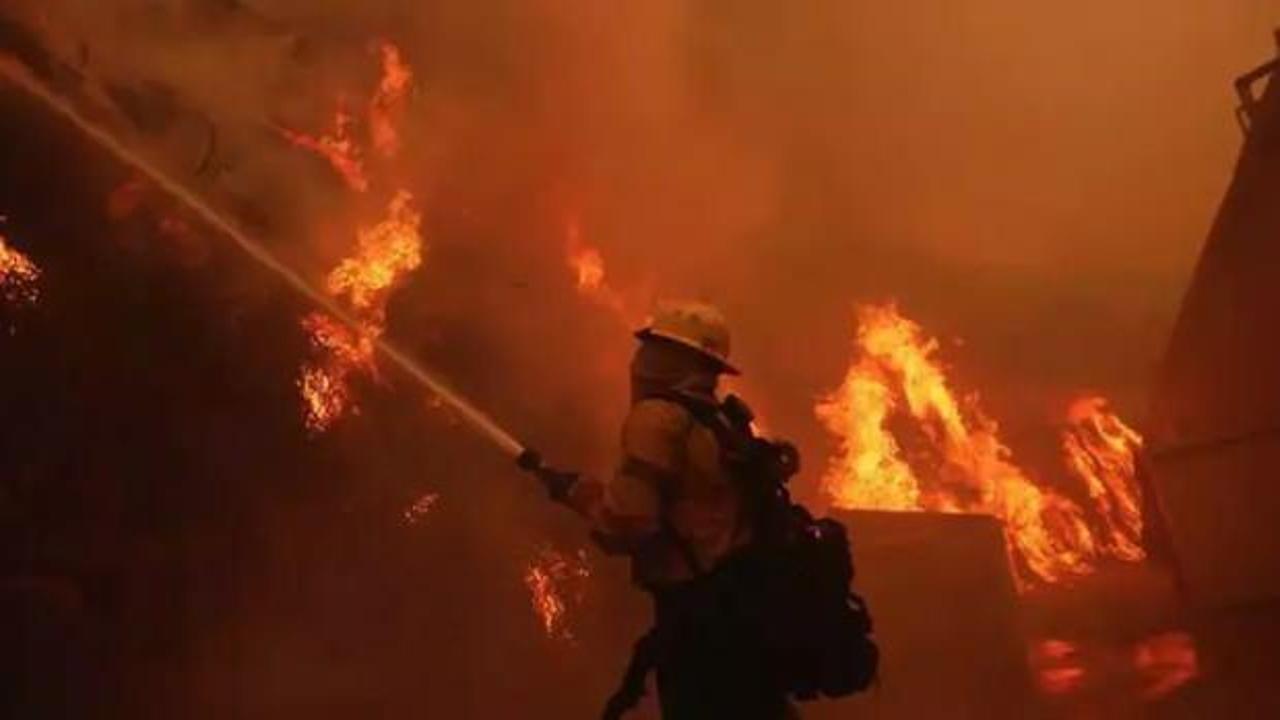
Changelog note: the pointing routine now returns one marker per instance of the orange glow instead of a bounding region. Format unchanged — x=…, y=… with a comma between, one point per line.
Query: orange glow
x=387, y=104
x=585, y=261
x=125, y=198
x=589, y=266
x=337, y=147
x=1101, y=450
x=19, y=277
x=958, y=462
x=1058, y=667
x=556, y=581
x=1166, y=662
x=385, y=252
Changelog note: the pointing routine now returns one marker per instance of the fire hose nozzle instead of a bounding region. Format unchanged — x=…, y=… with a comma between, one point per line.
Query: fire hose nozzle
x=529, y=460
x=559, y=483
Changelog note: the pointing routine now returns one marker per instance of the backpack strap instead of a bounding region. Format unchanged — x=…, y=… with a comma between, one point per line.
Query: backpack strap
x=734, y=441
x=708, y=413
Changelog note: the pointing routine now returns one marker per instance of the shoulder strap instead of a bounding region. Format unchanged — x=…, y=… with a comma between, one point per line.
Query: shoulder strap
x=707, y=413
x=667, y=529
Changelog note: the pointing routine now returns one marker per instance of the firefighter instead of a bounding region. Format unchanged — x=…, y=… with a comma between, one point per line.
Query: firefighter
x=674, y=509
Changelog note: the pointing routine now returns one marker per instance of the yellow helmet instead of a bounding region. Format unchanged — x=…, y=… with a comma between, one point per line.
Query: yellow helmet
x=693, y=324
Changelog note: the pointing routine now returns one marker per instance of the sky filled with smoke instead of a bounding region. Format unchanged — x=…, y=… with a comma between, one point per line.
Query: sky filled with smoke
x=1030, y=181
x=1033, y=181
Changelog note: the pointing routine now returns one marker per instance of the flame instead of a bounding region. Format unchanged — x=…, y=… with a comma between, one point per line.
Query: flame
x=555, y=581
x=19, y=277
x=1166, y=662
x=586, y=263
x=325, y=383
x=387, y=104
x=958, y=462
x=385, y=253
x=338, y=148
x=1100, y=450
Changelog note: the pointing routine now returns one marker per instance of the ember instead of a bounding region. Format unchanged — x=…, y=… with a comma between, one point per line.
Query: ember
x=964, y=465
x=1166, y=662
x=325, y=382
x=556, y=582
x=19, y=277
x=1058, y=667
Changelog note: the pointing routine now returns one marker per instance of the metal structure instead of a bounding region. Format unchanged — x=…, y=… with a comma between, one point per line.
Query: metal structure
x=1215, y=432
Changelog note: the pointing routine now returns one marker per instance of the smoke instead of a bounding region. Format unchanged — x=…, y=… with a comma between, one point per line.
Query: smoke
x=1033, y=180
x=1053, y=168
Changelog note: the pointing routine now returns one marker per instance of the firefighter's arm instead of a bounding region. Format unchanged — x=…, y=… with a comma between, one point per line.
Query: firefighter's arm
x=624, y=511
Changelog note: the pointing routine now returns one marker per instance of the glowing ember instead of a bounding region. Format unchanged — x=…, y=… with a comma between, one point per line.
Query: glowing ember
x=557, y=581
x=325, y=383
x=385, y=253
x=961, y=464
x=1058, y=667
x=1101, y=450
x=1166, y=662
x=388, y=101
x=420, y=508
x=337, y=147
x=19, y=277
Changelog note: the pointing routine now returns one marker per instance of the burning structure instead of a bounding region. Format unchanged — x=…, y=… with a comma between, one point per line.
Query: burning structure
x=186, y=535
x=1049, y=537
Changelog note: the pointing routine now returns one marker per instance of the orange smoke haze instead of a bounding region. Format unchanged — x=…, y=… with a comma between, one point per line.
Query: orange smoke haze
x=1034, y=179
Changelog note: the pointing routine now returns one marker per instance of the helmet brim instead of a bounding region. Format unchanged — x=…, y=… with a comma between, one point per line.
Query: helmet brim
x=724, y=365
